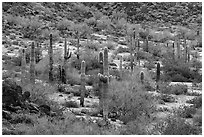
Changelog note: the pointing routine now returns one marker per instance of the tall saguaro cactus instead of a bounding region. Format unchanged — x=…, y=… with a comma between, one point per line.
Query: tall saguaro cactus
x=178, y=48
x=100, y=84
x=173, y=50
x=23, y=67
x=67, y=55
x=32, y=63
x=142, y=77
x=105, y=79
x=158, y=76
x=82, y=83
x=51, y=60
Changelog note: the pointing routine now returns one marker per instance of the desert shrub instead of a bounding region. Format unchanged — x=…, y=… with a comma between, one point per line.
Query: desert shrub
x=129, y=98
x=68, y=126
x=110, y=45
x=197, y=101
x=177, y=126
x=23, y=118
x=186, y=111
x=73, y=76
x=177, y=89
x=92, y=45
x=179, y=71
x=70, y=104
x=122, y=50
x=149, y=65
x=91, y=59
x=197, y=118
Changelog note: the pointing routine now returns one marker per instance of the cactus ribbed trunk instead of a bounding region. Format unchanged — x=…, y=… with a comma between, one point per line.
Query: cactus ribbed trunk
x=23, y=67
x=82, y=83
x=78, y=45
x=100, y=82
x=37, y=53
x=60, y=73
x=138, y=49
x=185, y=51
x=158, y=75
x=121, y=66
x=173, y=50
x=105, y=85
x=142, y=77
x=51, y=60
x=178, y=49
x=32, y=64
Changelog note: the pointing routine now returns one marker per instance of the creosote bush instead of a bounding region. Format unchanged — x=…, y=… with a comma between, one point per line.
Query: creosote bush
x=130, y=99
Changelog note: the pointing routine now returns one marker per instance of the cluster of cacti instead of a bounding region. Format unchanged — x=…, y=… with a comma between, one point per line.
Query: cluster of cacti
x=104, y=78
x=50, y=52
x=82, y=89
x=32, y=63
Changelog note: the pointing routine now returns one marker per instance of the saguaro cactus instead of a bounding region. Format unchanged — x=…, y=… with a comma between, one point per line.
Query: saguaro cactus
x=105, y=83
x=100, y=84
x=105, y=79
x=185, y=51
x=60, y=73
x=82, y=83
x=51, y=60
x=37, y=53
x=67, y=55
x=121, y=66
x=178, y=48
x=142, y=77
x=173, y=50
x=23, y=67
x=158, y=75
x=32, y=63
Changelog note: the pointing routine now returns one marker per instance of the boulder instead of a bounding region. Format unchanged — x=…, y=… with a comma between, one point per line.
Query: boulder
x=12, y=93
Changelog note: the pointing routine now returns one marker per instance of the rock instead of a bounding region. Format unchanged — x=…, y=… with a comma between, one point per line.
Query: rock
x=12, y=93
x=6, y=114
x=45, y=109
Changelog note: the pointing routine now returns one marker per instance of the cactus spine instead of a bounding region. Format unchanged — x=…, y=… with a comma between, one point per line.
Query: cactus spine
x=142, y=77
x=51, y=60
x=32, y=63
x=82, y=83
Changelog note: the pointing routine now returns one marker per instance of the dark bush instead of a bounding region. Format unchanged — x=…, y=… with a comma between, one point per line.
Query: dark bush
x=197, y=101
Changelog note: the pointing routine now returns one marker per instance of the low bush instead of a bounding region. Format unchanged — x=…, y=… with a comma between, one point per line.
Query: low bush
x=186, y=111
x=129, y=98
x=197, y=101
x=197, y=118
x=177, y=126
x=70, y=104
x=177, y=89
